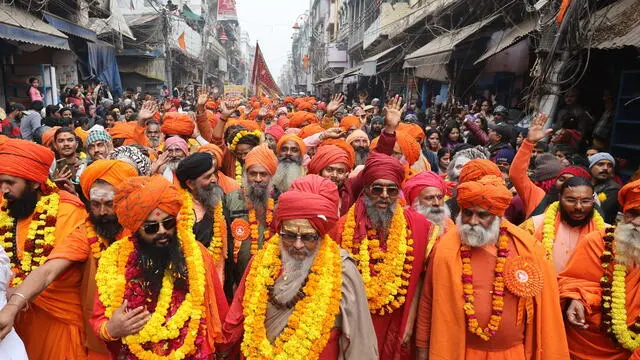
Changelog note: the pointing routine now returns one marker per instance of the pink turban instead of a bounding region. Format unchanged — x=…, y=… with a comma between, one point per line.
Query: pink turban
x=176, y=140
x=416, y=184
x=276, y=131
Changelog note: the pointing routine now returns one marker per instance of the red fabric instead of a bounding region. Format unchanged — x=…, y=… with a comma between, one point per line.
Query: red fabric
x=348, y=149
x=629, y=196
x=325, y=156
x=545, y=184
x=575, y=171
x=276, y=131
x=478, y=168
x=14, y=131
x=313, y=198
x=175, y=123
x=416, y=184
x=25, y=159
x=488, y=193
x=408, y=145
x=381, y=166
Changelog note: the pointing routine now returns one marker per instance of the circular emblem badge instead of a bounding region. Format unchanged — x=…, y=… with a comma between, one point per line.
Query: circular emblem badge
x=523, y=277
x=240, y=229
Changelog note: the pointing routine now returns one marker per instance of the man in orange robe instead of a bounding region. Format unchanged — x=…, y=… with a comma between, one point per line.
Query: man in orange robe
x=52, y=326
x=528, y=325
x=148, y=207
x=583, y=284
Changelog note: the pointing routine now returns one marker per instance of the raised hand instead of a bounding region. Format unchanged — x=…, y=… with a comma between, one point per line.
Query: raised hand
x=394, y=110
x=203, y=96
x=332, y=133
x=148, y=109
x=228, y=107
x=537, y=131
x=335, y=103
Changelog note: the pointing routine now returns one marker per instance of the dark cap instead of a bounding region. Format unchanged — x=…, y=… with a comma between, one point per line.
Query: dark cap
x=504, y=130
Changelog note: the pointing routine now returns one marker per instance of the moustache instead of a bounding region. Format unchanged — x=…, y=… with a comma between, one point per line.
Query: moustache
x=10, y=197
x=294, y=252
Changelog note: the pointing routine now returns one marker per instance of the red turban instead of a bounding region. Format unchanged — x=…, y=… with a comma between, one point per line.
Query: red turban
x=283, y=121
x=381, y=166
x=629, y=196
x=574, y=170
x=26, y=160
x=211, y=105
x=276, y=131
x=408, y=145
x=488, y=193
x=138, y=196
x=313, y=198
x=175, y=123
x=348, y=149
x=301, y=117
x=478, y=168
x=309, y=130
x=349, y=121
x=111, y=171
x=325, y=156
x=262, y=155
x=295, y=138
x=213, y=150
x=416, y=184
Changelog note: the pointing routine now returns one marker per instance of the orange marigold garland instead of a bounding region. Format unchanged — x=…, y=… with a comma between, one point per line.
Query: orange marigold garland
x=497, y=303
x=241, y=230
x=96, y=242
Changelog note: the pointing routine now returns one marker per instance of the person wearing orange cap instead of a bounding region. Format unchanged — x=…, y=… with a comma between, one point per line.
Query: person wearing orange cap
x=425, y=192
x=301, y=119
x=331, y=320
x=350, y=123
x=133, y=132
x=599, y=287
x=335, y=164
x=166, y=272
x=40, y=221
x=177, y=124
x=501, y=292
x=388, y=243
x=250, y=213
x=291, y=150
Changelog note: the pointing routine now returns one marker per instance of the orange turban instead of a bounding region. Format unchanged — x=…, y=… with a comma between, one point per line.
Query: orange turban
x=301, y=117
x=305, y=106
x=111, y=171
x=289, y=100
x=123, y=130
x=211, y=105
x=309, y=130
x=213, y=150
x=478, y=168
x=325, y=156
x=295, y=138
x=345, y=147
x=262, y=155
x=82, y=134
x=247, y=124
x=629, y=196
x=137, y=197
x=349, y=121
x=408, y=145
x=412, y=129
x=175, y=123
x=488, y=193
x=47, y=137
x=25, y=159
x=357, y=134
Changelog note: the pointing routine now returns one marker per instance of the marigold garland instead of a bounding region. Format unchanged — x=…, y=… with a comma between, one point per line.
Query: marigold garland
x=238, y=172
x=240, y=134
x=187, y=211
x=309, y=326
x=111, y=279
x=254, y=225
x=497, y=303
x=385, y=273
x=614, y=296
x=96, y=242
x=549, y=227
x=40, y=237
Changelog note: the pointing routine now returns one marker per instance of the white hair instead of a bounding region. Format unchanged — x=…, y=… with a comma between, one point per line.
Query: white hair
x=627, y=249
x=478, y=235
x=435, y=214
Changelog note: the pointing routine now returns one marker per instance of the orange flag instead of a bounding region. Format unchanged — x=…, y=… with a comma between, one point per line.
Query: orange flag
x=181, y=42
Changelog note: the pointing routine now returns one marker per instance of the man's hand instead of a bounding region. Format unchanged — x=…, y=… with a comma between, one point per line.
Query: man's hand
x=166, y=105
x=536, y=129
x=263, y=112
x=7, y=318
x=227, y=108
x=394, y=110
x=160, y=162
x=124, y=322
x=203, y=97
x=335, y=103
x=333, y=133
x=62, y=174
x=422, y=353
x=575, y=314
x=148, y=109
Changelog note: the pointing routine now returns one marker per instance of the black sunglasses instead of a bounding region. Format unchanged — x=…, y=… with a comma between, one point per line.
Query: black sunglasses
x=377, y=190
x=154, y=227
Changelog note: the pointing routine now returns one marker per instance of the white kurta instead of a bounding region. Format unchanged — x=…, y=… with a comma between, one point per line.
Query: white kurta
x=11, y=348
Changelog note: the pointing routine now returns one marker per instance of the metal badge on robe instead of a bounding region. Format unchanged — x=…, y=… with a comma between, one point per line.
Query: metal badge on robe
x=523, y=277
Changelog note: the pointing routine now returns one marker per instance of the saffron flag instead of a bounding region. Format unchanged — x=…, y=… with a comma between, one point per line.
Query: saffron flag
x=181, y=42
x=262, y=82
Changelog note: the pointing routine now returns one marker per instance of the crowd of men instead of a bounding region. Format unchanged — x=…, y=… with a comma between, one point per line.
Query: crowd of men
x=293, y=228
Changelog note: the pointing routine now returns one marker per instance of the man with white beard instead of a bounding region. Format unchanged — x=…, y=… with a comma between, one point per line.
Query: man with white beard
x=198, y=179
x=290, y=150
x=425, y=192
x=175, y=149
x=599, y=287
x=501, y=294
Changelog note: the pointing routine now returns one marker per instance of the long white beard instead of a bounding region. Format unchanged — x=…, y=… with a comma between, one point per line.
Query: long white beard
x=435, y=214
x=627, y=244
x=294, y=269
x=477, y=235
x=285, y=174
x=172, y=164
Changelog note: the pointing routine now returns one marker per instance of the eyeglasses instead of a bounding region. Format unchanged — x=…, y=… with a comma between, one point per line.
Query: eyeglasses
x=154, y=227
x=377, y=190
x=574, y=202
x=290, y=238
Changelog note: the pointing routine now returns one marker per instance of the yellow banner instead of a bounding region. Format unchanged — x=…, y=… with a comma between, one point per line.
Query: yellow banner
x=235, y=90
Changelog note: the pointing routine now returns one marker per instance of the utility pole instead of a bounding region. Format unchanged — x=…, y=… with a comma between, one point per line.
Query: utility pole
x=167, y=49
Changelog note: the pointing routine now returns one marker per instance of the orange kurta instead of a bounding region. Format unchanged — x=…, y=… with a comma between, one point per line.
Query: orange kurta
x=530, y=194
x=443, y=323
x=581, y=280
x=53, y=328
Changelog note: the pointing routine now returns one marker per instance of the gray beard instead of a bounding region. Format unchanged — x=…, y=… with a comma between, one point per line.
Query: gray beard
x=285, y=174
x=476, y=235
x=172, y=165
x=293, y=269
x=257, y=195
x=435, y=214
x=361, y=156
x=627, y=249
x=380, y=219
x=209, y=197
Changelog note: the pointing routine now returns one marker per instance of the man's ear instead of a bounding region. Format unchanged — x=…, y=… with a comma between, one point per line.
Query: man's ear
x=34, y=185
x=190, y=184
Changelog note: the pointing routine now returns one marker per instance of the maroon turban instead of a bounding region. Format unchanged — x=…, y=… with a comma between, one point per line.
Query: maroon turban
x=381, y=166
x=416, y=184
x=313, y=198
x=574, y=170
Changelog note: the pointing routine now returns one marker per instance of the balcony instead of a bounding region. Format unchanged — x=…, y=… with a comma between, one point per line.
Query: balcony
x=355, y=38
x=387, y=23
x=336, y=58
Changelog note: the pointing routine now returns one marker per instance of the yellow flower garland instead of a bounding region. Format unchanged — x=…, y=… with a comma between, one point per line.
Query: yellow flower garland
x=96, y=242
x=387, y=289
x=240, y=134
x=238, y=172
x=187, y=213
x=47, y=207
x=309, y=326
x=111, y=281
x=549, y=227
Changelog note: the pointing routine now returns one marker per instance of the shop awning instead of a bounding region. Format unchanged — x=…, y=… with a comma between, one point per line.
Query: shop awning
x=349, y=72
x=419, y=14
x=616, y=26
x=190, y=15
x=431, y=67
x=369, y=64
x=510, y=37
x=137, y=20
x=18, y=25
x=70, y=28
